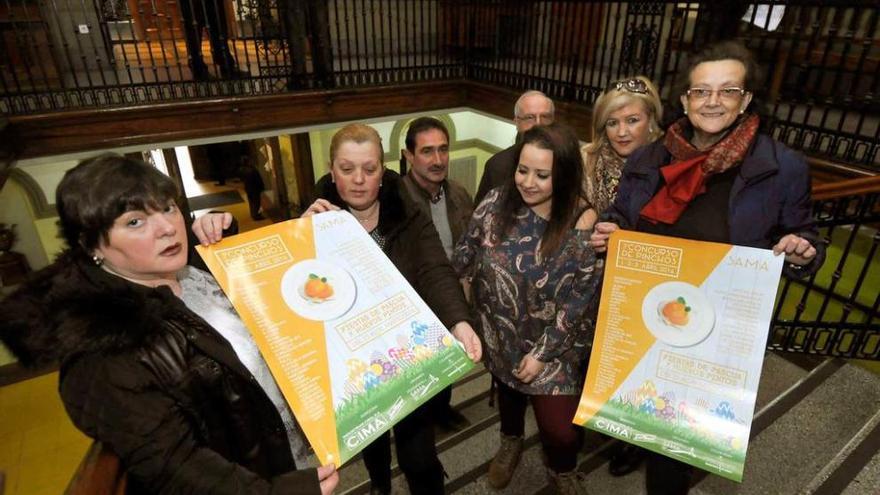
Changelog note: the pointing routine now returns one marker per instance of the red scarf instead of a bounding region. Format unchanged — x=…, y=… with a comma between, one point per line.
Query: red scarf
x=685, y=178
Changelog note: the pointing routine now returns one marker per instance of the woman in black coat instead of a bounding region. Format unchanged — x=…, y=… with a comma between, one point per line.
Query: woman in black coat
x=145, y=368
x=361, y=184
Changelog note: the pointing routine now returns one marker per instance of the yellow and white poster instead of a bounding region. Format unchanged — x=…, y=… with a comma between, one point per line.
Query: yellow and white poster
x=679, y=345
x=352, y=346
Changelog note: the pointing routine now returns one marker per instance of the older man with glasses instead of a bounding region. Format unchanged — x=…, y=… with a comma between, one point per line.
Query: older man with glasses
x=531, y=109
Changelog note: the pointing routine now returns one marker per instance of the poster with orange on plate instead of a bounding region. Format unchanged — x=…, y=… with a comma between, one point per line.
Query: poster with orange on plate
x=679, y=346
x=352, y=346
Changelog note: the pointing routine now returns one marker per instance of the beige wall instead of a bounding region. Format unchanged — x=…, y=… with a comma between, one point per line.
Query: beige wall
x=37, y=238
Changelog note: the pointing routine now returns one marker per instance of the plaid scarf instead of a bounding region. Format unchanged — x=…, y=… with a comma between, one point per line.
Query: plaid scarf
x=685, y=178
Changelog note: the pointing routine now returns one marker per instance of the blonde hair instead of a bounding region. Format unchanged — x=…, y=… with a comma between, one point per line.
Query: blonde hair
x=357, y=133
x=614, y=99
x=609, y=102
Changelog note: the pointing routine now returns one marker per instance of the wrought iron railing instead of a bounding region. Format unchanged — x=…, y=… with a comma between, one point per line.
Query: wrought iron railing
x=836, y=312
x=822, y=58
x=821, y=86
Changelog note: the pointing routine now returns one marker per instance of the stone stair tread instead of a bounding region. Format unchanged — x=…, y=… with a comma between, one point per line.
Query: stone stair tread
x=868, y=479
x=785, y=456
x=478, y=450
x=529, y=476
x=848, y=463
x=777, y=375
x=472, y=384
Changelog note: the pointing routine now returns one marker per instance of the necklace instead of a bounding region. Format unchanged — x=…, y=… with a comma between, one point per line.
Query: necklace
x=373, y=213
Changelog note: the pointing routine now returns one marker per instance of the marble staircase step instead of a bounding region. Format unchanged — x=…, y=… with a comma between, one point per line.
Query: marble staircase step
x=787, y=455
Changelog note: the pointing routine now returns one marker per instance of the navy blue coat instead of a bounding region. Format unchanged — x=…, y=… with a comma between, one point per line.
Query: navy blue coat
x=770, y=197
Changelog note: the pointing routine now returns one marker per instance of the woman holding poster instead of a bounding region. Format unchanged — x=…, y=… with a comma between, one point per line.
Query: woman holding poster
x=533, y=279
x=155, y=362
x=361, y=184
x=715, y=177
x=625, y=118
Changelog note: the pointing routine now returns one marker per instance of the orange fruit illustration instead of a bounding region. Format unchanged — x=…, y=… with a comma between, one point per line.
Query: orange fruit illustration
x=317, y=287
x=676, y=312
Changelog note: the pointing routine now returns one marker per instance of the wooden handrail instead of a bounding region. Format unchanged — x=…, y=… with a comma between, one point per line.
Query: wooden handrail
x=100, y=473
x=852, y=187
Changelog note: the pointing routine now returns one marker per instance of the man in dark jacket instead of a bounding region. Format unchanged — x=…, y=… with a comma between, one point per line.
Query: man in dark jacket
x=531, y=109
x=449, y=207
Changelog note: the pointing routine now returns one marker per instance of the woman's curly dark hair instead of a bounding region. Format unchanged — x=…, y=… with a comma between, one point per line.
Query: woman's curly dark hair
x=94, y=193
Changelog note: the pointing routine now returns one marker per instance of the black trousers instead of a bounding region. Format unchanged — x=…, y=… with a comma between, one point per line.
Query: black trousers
x=210, y=15
x=667, y=476
x=416, y=455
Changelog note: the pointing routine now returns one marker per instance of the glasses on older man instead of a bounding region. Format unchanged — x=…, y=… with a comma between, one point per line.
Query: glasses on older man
x=531, y=118
x=632, y=85
x=732, y=93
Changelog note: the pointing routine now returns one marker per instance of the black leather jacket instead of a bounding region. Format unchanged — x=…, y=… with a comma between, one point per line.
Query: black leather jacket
x=154, y=382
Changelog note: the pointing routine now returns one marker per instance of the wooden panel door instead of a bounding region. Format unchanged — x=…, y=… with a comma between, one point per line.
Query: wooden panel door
x=157, y=19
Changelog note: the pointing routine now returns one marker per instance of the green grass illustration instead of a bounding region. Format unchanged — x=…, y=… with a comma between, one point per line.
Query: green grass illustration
x=448, y=364
x=710, y=454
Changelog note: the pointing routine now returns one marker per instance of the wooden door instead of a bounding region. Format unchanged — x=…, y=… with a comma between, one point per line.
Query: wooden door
x=157, y=19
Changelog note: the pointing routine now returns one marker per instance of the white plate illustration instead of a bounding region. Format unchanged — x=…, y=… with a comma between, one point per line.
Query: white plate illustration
x=321, y=304
x=678, y=314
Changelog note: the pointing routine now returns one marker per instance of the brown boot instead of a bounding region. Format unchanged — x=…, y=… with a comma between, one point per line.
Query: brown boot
x=568, y=483
x=503, y=465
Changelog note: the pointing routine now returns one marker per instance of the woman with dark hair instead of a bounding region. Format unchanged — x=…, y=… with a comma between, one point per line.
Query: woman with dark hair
x=155, y=363
x=715, y=177
x=533, y=280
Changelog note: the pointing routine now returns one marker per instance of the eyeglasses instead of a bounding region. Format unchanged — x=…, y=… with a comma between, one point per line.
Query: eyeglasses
x=631, y=85
x=730, y=94
x=546, y=118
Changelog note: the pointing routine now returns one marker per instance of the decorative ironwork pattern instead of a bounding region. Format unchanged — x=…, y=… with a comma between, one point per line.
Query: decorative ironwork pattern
x=820, y=90
x=639, y=49
x=835, y=312
x=647, y=8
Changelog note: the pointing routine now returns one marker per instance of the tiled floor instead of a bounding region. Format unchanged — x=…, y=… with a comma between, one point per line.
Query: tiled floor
x=39, y=447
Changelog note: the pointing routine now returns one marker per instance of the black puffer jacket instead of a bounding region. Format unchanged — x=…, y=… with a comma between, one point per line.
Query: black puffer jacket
x=154, y=382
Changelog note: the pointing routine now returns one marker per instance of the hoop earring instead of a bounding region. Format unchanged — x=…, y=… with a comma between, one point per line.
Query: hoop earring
x=97, y=260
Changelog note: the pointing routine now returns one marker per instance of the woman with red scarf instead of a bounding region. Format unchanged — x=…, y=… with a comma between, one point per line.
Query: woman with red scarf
x=715, y=177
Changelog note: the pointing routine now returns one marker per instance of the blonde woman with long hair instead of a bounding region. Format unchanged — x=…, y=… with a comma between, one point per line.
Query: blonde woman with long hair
x=625, y=118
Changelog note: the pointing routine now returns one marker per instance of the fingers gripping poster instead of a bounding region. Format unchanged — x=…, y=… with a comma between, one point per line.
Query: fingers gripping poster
x=352, y=346
x=679, y=346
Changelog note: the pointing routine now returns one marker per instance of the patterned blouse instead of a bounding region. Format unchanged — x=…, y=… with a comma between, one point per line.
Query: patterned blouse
x=526, y=303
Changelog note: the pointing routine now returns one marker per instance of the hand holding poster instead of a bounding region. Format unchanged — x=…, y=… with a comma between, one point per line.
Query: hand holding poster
x=351, y=345
x=679, y=345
